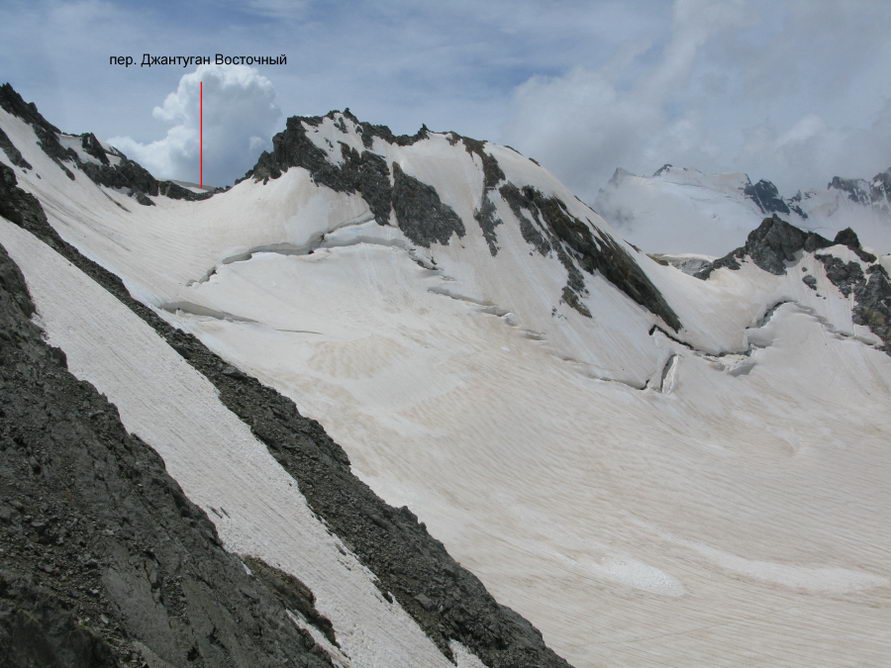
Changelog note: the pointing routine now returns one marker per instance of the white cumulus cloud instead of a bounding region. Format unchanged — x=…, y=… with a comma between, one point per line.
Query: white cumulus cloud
x=240, y=116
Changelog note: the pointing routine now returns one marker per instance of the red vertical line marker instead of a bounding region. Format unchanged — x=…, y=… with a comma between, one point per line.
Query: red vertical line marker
x=200, y=134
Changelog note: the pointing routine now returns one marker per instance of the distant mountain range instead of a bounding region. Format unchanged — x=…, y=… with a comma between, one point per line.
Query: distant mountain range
x=682, y=210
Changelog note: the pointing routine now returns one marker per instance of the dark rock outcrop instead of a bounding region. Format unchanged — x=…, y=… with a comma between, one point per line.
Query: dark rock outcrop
x=875, y=193
x=418, y=210
x=492, y=172
x=770, y=246
x=857, y=190
x=775, y=243
x=132, y=176
x=485, y=215
x=873, y=304
x=365, y=173
x=420, y=214
x=126, y=174
x=293, y=595
x=292, y=148
x=487, y=218
x=14, y=155
x=409, y=563
x=847, y=237
x=47, y=133
x=93, y=147
x=765, y=195
x=548, y=226
x=844, y=275
x=369, y=131
x=794, y=203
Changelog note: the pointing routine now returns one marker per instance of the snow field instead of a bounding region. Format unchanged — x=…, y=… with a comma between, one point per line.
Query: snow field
x=632, y=527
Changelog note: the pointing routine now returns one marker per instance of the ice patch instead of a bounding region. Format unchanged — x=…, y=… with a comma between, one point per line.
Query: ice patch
x=815, y=579
x=829, y=580
x=627, y=571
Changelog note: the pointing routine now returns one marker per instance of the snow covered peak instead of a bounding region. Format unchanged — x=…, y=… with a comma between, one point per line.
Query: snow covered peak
x=456, y=196
x=775, y=246
x=725, y=182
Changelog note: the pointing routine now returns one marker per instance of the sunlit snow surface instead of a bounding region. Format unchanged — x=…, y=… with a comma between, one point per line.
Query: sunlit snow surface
x=733, y=512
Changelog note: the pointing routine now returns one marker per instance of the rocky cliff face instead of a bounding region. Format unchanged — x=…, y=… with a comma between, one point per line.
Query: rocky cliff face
x=767, y=197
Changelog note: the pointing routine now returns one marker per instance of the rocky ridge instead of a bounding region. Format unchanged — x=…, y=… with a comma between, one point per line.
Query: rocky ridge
x=776, y=244
x=103, y=559
x=418, y=211
x=111, y=167
x=874, y=193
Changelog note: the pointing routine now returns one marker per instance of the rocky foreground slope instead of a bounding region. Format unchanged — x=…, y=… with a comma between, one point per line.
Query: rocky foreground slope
x=105, y=561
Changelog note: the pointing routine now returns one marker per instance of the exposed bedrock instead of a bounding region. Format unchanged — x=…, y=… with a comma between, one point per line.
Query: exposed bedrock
x=776, y=243
x=546, y=223
x=125, y=174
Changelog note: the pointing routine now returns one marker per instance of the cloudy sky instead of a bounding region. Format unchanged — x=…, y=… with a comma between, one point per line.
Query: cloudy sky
x=795, y=91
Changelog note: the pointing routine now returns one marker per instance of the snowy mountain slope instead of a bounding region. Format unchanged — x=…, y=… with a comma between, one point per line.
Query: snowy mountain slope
x=448, y=603
x=681, y=210
x=653, y=468
x=292, y=214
